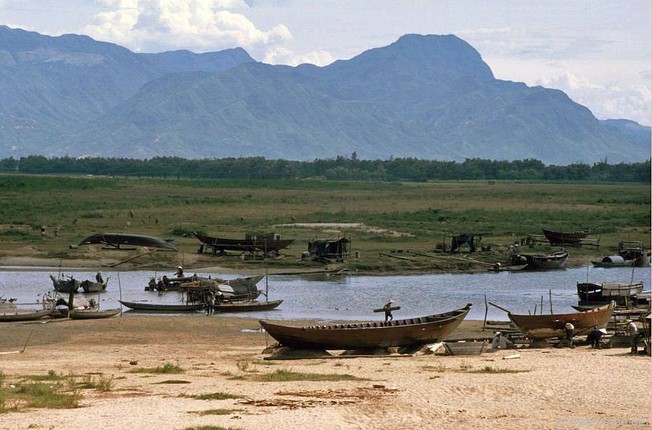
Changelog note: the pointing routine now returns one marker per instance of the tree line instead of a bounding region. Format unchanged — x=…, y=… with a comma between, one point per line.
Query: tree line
x=339, y=168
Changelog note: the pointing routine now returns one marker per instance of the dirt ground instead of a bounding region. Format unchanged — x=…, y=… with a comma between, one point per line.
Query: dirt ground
x=550, y=388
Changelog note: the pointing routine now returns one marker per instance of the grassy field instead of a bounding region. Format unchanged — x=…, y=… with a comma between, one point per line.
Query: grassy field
x=384, y=221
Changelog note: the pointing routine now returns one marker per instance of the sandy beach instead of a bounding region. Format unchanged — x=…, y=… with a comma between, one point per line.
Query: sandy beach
x=551, y=388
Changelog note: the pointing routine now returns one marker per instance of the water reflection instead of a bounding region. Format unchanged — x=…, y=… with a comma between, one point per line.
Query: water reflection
x=354, y=297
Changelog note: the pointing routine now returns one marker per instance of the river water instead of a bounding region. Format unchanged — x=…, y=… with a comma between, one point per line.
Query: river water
x=350, y=297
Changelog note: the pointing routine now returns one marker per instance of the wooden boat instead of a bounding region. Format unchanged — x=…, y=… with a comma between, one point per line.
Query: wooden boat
x=86, y=314
x=116, y=240
x=552, y=261
x=614, y=261
x=93, y=286
x=246, y=287
x=264, y=243
x=403, y=332
x=593, y=293
x=512, y=268
x=162, y=307
x=249, y=306
x=565, y=238
x=25, y=316
x=465, y=348
x=549, y=326
x=70, y=285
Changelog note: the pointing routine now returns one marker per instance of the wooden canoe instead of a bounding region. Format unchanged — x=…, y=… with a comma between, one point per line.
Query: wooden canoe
x=162, y=307
x=550, y=326
x=219, y=244
x=25, y=316
x=404, y=332
x=565, y=238
x=251, y=306
x=87, y=314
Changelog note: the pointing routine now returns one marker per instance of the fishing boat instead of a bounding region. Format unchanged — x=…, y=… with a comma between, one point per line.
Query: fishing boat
x=536, y=261
x=614, y=261
x=403, y=332
x=25, y=316
x=116, y=240
x=565, y=238
x=162, y=307
x=94, y=286
x=597, y=294
x=87, y=314
x=550, y=326
x=247, y=306
x=500, y=268
x=250, y=243
x=61, y=285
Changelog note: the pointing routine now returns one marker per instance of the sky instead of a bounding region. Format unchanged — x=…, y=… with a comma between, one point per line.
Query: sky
x=596, y=51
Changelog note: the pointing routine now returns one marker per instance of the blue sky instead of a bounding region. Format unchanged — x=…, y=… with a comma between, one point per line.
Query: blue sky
x=598, y=52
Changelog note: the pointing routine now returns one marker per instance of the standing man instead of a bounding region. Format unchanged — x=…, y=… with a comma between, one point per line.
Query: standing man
x=388, y=311
x=632, y=332
x=570, y=330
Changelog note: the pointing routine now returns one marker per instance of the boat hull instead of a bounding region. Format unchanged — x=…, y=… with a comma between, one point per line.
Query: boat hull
x=25, y=316
x=247, y=306
x=160, y=307
x=405, y=332
x=87, y=314
x=551, y=326
x=219, y=244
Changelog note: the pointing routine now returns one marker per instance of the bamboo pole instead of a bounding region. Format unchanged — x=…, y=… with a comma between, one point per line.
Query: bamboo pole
x=550, y=299
x=486, y=309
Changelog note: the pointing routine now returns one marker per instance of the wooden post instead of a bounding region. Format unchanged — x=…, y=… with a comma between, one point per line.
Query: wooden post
x=486, y=309
x=550, y=298
x=541, y=308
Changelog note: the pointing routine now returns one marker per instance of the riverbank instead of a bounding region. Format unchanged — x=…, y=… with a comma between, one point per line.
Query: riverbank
x=224, y=381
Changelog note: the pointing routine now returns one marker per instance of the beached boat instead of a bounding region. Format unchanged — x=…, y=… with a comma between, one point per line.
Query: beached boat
x=536, y=261
x=87, y=314
x=162, y=307
x=25, y=316
x=550, y=326
x=247, y=306
x=403, y=332
x=70, y=285
x=614, y=261
x=117, y=240
x=251, y=243
x=501, y=268
x=565, y=238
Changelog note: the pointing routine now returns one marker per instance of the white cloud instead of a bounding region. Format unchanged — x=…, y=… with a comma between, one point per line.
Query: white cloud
x=198, y=25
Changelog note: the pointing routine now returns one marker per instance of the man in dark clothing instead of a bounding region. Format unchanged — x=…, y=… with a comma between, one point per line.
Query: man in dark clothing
x=594, y=337
x=388, y=311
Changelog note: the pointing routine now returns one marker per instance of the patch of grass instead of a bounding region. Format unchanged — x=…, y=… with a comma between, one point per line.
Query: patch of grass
x=167, y=368
x=440, y=368
x=50, y=376
x=174, y=381
x=214, y=396
x=48, y=396
x=282, y=375
x=102, y=383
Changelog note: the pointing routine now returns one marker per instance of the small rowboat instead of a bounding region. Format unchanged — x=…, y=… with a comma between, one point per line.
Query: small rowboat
x=161, y=307
x=252, y=306
x=25, y=316
x=87, y=314
x=404, y=332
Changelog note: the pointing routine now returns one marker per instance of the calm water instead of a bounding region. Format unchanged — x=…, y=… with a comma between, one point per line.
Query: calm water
x=353, y=297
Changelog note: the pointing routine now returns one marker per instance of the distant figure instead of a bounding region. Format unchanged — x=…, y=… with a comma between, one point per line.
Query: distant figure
x=388, y=311
x=632, y=332
x=56, y=231
x=179, y=272
x=210, y=303
x=497, y=266
x=570, y=330
x=92, y=304
x=595, y=336
x=500, y=341
x=43, y=232
x=152, y=284
x=98, y=277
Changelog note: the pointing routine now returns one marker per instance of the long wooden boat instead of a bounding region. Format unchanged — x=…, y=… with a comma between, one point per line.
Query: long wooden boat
x=549, y=326
x=251, y=306
x=552, y=261
x=67, y=286
x=25, y=316
x=594, y=293
x=565, y=238
x=87, y=314
x=220, y=244
x=116, y=240
x=162, y=307
x=403, y=332
x=513, y=268
x=614, y=261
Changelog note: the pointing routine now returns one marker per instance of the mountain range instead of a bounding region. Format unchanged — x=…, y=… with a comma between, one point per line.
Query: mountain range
x=423, y=96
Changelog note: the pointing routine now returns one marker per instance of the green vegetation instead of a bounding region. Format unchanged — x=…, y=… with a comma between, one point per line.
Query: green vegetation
x=167, y=368
x=222, y=411
x=282, y=375
x=380, y=218
x=214, y=396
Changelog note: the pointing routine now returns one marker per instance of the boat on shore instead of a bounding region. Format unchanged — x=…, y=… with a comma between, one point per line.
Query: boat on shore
x=87, y=314
x=246, y=306
x=25, y=315
x=536, y=261
x=117, y=240
x=565, y=238
x=162, y=307
x=379, y=334
x=613, y=261
x=250, y=243
x=551, y=326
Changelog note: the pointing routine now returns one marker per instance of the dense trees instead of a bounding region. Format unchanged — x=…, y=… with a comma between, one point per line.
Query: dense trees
x=340, y=168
